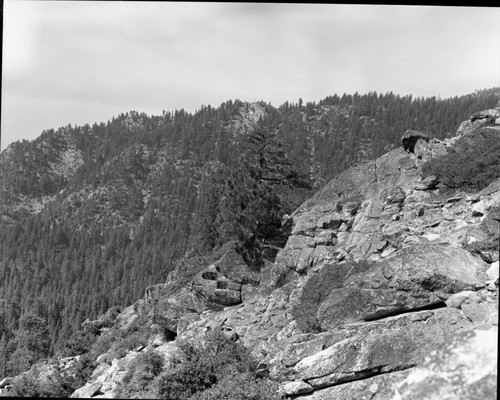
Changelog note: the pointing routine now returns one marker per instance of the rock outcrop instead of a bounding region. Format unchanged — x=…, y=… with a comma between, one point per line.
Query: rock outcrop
x=377, y=273
x=221, y=284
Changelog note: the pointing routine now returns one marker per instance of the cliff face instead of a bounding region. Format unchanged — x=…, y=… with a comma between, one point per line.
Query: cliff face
x=383, y=267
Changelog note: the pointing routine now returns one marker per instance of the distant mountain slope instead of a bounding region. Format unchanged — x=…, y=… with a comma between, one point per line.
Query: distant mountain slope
x=92, y=215
x=384, y=285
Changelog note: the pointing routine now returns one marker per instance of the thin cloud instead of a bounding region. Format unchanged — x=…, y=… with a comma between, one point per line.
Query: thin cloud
x=151, y=56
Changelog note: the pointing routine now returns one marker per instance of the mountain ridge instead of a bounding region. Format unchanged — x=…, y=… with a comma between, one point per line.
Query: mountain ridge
x=235, y=257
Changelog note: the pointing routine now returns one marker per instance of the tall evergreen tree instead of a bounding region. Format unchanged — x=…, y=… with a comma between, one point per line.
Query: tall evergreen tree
x=32, y=343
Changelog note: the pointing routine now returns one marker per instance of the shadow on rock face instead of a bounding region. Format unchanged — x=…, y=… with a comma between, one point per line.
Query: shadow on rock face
x=410, y=139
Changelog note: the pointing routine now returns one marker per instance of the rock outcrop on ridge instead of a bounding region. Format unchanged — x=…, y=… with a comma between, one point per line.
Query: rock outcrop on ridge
x=381, y=291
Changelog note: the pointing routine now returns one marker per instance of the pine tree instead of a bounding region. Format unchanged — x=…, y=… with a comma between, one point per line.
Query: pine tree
x=204, y=235
x=3, y=356
x=33, y=343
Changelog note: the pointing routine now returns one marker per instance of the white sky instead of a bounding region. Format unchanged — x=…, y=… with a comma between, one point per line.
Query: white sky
x=83, y=62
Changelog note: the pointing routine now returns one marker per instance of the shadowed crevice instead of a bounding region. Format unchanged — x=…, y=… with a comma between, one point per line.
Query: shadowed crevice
x=387, y=314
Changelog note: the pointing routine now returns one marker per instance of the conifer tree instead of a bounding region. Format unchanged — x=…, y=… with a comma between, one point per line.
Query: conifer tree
x=33, y=342
x=3, y=356
x=204, y=235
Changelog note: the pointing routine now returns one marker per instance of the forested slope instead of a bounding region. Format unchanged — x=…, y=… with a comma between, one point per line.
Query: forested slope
x=92, y=215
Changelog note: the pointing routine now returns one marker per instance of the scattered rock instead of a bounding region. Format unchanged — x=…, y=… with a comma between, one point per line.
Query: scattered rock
x=482, y=206
x=294, y=388
x=465, y=297
x=395, y=195
x=5, y=382
x=87, y=391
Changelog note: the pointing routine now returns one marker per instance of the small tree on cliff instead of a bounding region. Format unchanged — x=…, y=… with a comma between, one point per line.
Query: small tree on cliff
x=252, y=202
x=204, y=235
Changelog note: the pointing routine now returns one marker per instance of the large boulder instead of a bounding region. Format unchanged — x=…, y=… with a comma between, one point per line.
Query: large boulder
x=378, y=387
x=476, y=137
x=87, y=391
x=392, y=344
x=491, y=115
x=478, y=120
x=410, y=139
x=415, y=277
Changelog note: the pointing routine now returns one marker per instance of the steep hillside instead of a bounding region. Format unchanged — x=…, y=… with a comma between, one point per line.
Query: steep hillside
x=386, y=288
x=91, y=216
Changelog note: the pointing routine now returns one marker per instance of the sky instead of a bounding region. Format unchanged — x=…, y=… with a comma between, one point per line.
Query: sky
x=87, y=61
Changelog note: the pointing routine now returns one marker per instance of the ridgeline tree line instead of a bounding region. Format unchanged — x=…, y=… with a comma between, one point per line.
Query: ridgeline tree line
x=150, y=190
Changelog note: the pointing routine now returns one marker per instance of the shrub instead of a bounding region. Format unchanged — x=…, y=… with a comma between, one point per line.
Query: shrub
x=77, y=375
x=140, y=374
x=28, y=385
x=101, y=346
x=108, y=319
x=80, y=342
x=129, y=342
x=117, y=343
x=54, y=384
x=474, y=168
x=242, y=386
x=220, y=369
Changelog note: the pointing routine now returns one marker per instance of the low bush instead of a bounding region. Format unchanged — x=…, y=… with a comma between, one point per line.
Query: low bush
x=77, y=375
x=102, y=345
x=80, y=342
x=117, y=343
x=218, y=369
x=473, y=168
x=140, y=375
x=53, y=382
x=242, y=386
x=29, y=385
